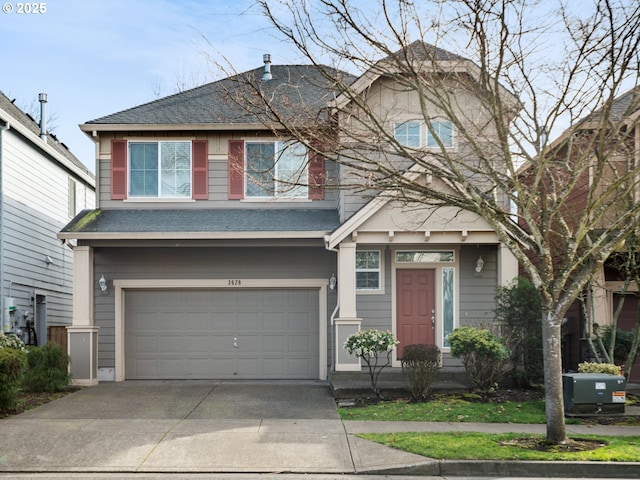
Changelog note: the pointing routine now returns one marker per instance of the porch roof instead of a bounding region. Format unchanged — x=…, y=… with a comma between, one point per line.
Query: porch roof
x=201, y=224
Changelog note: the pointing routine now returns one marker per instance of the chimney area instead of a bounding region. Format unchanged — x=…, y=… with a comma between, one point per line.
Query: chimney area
x=266, y=76
x=42, y=97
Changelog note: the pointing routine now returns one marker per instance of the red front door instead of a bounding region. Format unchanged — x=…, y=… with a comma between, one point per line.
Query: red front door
x=416, y=307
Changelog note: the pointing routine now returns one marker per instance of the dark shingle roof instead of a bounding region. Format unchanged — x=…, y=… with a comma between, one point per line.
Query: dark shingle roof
x=202, y=221
x=295, y=88
x=28, y=122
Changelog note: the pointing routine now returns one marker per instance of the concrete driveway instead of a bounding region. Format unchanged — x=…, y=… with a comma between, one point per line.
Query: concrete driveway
x=191, y=426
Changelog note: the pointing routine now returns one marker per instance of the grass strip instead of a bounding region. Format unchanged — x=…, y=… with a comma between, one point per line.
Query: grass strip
x=480, y=446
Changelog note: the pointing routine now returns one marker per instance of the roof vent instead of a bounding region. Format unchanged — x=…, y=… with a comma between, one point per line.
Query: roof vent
x=42, y=97
x=266, y=58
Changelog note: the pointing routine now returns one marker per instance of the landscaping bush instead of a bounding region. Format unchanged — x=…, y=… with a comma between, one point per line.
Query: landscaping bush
x=519, y=313
x=11, y=341
x=606, y=368
x=484, y=356
x=368, y=345
x=12, y=365
x=420, y=364
x=47, y=369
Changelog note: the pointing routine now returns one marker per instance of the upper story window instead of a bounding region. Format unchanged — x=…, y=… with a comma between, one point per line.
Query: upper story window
x=72, y=198
x=168, y=170
x=408, y=133
x=368, y=270
x=276, y=169
x=440, y=129
x=160, y=169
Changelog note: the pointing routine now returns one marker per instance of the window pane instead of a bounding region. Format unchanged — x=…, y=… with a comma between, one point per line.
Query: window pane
x=447, y=303
x=260, y=158
x=292, y=170
x=368, y=260
x=442, y=130
x=176, y=169
x=143, y=169
x=425, y=257
x=368, y=280
x=408, y=134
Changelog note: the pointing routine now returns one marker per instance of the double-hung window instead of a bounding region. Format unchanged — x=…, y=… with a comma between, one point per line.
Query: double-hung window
x=276, y=169
x=440, y=129
x=408, y=133
x=160, y=169
x=368, y=270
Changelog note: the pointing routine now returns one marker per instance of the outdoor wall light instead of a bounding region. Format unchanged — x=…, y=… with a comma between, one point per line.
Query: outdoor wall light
x=103, y=283
x=333, y=281
x=479, y=264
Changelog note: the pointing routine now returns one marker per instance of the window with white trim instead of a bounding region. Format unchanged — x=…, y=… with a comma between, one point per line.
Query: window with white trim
x=440, y=129
x=276, y=169
x=160, y=169
x=408, y=133
x=368, y=270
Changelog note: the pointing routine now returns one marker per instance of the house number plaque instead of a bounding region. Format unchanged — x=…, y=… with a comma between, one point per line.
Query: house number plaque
x=234, y=282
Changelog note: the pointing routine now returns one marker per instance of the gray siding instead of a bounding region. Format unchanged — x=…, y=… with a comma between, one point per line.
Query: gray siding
x=200, y=263
x=376, y=309
x=35, y=193
x=477, y=291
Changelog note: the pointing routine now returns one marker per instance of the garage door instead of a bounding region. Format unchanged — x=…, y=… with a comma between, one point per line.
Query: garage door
x=221, y=334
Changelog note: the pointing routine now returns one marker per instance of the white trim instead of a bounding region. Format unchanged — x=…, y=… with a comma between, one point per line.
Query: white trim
x=121, y=286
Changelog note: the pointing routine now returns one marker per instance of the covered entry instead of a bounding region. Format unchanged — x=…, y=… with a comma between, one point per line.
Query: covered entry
x=223, y=333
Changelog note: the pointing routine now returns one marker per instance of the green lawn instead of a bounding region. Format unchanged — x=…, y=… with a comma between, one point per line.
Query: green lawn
x=479, y=446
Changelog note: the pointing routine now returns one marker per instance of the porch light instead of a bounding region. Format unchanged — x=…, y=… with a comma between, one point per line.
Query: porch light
x=333, y=281
x=103, y=283
x=479, y=264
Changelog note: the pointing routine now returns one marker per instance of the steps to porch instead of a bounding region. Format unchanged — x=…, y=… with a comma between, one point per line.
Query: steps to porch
x=392, y=383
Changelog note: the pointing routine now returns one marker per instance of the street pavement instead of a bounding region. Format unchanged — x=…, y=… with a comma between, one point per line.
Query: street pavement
x=189, y=427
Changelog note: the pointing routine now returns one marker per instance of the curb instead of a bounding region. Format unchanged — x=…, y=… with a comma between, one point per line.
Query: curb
x=464, y=468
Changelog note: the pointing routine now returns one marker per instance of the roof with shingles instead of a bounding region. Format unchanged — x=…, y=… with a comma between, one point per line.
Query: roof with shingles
x=27, y=121
x=295, y=89
x=202, y=221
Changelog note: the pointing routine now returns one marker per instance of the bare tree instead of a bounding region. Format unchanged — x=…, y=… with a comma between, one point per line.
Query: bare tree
x=504, y=73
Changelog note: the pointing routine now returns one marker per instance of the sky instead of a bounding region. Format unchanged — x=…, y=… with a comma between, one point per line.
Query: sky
x=97, y=57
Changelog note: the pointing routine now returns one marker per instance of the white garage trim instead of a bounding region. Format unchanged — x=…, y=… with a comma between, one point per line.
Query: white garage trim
x=235, y=283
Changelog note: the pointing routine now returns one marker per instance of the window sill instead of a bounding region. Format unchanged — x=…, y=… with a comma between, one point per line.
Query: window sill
x=158, y=200
x=276, y=200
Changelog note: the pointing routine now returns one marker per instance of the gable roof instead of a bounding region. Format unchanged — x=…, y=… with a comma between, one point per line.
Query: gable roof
x=13, y=115
x=296, y=89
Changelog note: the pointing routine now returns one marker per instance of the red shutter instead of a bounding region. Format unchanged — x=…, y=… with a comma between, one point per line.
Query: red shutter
x=200, y=170
x=316, y=176
x=236, y=169
x=118, y=169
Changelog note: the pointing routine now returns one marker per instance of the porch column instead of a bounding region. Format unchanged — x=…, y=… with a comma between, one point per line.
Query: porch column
x=82, y=335
x=507, y=266
x=348, y=321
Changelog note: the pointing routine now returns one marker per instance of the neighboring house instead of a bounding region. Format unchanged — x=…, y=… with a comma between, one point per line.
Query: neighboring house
x=196, y=265
x=606, y=288
x=42, y=187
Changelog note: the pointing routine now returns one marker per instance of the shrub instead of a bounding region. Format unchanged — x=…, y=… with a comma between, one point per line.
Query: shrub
x=420, y=363
x=47, y=369
x=606, y=368
x=519, y=313
x=368, y=345
x=484, y=356
x=12, y=364
x=11, y=341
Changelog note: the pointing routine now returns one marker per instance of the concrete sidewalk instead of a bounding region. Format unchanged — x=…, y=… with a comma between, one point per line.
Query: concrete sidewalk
x=235, y=427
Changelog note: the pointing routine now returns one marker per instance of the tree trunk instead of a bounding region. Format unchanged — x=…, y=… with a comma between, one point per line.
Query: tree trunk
x=554, y=400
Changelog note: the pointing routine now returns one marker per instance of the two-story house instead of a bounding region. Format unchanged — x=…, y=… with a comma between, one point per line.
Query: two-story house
x=218, y=250
x=42, y=187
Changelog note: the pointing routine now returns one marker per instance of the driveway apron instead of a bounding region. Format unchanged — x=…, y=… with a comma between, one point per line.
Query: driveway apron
x=182, y=426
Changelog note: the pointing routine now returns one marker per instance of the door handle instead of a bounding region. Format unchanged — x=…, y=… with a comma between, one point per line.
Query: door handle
x=433, y=318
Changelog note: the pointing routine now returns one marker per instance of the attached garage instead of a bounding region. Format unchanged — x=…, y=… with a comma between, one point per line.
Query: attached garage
x=222, y=333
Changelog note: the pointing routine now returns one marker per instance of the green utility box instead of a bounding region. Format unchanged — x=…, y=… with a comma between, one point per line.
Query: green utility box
x=593, y=393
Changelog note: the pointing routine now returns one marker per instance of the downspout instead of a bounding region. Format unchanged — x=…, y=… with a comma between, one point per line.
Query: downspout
x=3, y=127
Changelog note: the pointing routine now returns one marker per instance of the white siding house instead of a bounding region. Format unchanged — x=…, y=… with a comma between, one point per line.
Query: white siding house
x=42, y=187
